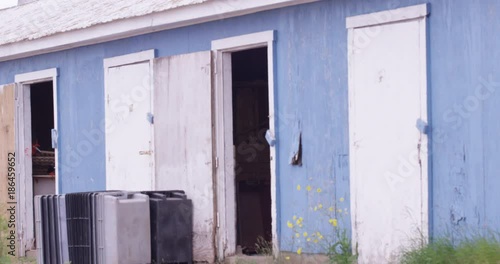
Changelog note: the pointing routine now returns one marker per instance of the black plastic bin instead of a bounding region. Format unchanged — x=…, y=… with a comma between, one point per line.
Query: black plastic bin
x=78, y=215
x=171, y=227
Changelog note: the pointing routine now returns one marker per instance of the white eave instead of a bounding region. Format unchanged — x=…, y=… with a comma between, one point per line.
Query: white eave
x=180, y=15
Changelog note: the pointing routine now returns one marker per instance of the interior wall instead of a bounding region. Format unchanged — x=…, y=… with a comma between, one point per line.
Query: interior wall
x=311, y=101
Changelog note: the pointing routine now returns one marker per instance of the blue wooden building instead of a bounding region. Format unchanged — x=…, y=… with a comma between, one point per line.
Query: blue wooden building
x=290, y=120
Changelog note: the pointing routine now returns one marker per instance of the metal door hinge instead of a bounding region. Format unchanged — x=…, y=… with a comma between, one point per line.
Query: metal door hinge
x=423, y=126
x=217, y=220
x=54, y=138
x=151, y=118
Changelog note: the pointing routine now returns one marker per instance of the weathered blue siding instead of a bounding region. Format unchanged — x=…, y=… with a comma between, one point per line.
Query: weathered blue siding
x=311, y=97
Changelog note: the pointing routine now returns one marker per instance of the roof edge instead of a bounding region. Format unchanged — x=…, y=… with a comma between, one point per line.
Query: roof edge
x=169, y=19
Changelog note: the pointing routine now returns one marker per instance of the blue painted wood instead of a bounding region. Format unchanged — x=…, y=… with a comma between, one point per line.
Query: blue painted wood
x=311, y=88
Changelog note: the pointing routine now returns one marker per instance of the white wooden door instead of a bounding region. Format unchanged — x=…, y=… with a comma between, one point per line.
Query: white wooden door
x=129, y=132
x=388, y=157
x=183, y=139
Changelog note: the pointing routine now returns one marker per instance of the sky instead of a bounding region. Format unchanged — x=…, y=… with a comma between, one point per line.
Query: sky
x=7, y=3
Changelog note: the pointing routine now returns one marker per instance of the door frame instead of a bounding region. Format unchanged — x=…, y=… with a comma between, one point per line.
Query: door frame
x=123, y=60
x=224, y=153
x=24, y=179
x=416, y=12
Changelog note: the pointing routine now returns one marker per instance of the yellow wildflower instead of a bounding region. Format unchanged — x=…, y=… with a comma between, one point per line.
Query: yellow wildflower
x=297, y=235
x=298, y=187
x=320, y=206
x=315, y=208
x=318, y=190
x=330, y=209
x=294, y=217
x=308, y=239
x=299, y=251
x=341, y=199
x=339, y=210
x=305, y=234
x=308, y=188
x=333, y=221
x=289, y=224
x=315, y=241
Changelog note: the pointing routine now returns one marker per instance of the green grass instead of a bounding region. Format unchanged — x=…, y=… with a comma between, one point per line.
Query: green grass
x=478, y=250
x=4, y=258
x=341, y=251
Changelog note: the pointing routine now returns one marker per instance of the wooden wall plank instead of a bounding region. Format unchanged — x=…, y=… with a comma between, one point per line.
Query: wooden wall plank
x=7, y=148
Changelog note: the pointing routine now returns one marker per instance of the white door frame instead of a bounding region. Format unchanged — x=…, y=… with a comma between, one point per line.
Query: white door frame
x=224, y=156
x=417, y=12
x=134, y=58
x=24, y=179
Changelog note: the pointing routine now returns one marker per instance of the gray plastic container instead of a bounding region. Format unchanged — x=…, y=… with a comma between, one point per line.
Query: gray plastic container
x=125, y=230
x=50, y=229
x=100, y=234
x=62, y=228
x=39, y=230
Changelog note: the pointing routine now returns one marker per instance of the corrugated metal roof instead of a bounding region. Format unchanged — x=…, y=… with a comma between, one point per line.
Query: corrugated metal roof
x=48, y=17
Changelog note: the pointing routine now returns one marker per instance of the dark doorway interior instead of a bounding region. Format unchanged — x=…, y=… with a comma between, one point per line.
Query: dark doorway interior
x=252, y=167
x=42, y=122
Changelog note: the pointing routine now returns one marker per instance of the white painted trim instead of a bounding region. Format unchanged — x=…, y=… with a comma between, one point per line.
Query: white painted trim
x=226, y=202
x=389, y=16
x=352, y=159
x=425, y=139
x=133, y=58
x=38, y=76
x=174, y=18
x=138, y=57
x=23, y=81
x=259, y=39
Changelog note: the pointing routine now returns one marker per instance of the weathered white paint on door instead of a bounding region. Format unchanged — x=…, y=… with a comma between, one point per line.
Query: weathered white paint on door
x=388, y=154
x=129, y=146
x=183, y=136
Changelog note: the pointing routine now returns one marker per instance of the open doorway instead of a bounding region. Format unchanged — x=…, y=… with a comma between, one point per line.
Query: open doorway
x=252, y=169
x=41, y=115
x=36, y=117
x=42, y=123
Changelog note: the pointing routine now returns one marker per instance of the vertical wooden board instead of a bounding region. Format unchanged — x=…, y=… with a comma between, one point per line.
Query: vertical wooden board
x=7, y=148
x=388, y=163
x=183, y=139
x=128, y=138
